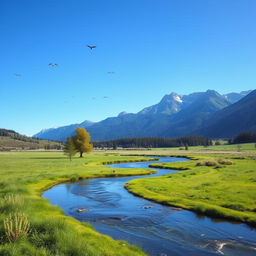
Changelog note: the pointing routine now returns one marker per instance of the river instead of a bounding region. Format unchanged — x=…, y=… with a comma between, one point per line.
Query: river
x=159, y=230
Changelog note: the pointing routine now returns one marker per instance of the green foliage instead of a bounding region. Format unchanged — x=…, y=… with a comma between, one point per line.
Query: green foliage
x=82, y=141
x=69, y=148
x=153, y=142
x=245, y=137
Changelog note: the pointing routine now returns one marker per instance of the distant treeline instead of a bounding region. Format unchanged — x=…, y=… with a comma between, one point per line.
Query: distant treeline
x=154, y=142
x=244, y=137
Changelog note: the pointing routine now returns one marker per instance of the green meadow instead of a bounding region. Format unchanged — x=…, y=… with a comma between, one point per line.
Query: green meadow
x=216, y=185
x=25, y=175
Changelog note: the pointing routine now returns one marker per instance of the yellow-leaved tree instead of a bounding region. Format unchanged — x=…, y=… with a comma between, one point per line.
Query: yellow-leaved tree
x=82, y=141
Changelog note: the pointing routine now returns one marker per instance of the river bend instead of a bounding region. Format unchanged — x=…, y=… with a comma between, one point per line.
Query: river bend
x=159, y=230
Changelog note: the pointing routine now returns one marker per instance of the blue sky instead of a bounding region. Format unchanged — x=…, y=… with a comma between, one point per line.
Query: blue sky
x=154, y=47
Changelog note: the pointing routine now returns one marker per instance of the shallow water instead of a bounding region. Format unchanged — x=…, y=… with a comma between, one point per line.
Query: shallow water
x=159, y=230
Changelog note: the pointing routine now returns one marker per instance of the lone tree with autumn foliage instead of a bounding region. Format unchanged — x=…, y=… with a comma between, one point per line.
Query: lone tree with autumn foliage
x=82, y=141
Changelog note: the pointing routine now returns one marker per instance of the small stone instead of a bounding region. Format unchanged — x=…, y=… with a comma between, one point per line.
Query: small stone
x=82, y=210
x=147, y=207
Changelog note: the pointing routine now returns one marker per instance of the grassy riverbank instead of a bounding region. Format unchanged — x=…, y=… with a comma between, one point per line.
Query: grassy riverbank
x=216, y=185
x=24, y=175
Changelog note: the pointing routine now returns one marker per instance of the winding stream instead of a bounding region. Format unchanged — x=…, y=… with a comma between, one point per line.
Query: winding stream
x=159, y=230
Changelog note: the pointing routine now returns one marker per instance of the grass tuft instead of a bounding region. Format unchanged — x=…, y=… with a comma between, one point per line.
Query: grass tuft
x=16, y=225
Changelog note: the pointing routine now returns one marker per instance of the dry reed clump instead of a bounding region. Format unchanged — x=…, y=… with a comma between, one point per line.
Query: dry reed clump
x=207, y=163
x=214, y=163
x=11, y=199
x=16, y=225
x=225, y=161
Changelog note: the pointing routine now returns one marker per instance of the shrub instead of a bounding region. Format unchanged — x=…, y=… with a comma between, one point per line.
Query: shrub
x=225, y=161
x=207, y=163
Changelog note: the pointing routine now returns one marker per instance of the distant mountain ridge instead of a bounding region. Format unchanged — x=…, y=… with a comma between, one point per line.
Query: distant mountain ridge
x=61, y=133
x=236, y=118
x=175, y=115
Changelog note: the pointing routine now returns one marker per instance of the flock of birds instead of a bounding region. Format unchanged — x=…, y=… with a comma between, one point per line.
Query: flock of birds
x=56, y=64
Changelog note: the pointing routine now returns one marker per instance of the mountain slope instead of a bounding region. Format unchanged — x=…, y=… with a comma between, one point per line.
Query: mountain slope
x=61, y=133
x=234, y=96
x=10, y=140
x=195, y=115
x=236, y=118
x=171, y=117
x=169, y=104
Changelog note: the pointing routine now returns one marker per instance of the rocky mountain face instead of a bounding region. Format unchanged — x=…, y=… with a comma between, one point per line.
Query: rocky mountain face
x=175, y=115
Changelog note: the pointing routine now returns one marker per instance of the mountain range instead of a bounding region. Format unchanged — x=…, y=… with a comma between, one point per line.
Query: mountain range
x=201, y=113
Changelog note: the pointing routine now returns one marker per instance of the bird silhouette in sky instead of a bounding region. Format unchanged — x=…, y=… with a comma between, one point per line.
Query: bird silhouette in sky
x=91, y=46
x=53, y=64
x=105, y=97
x=16, y=74
x=111, y=72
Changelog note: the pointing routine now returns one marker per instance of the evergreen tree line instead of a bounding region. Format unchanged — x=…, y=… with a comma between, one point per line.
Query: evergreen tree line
x=244, y=137
x=154, y=142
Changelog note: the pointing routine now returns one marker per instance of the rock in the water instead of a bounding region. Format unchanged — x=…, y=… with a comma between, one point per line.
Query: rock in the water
x=147, y=207
x=82, y=210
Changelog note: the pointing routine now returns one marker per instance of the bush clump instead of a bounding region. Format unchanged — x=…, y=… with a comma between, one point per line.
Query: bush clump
x=207, y=163
x=225, y=161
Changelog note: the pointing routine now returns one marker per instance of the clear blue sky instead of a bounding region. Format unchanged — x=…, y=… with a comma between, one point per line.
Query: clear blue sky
x=154, y=47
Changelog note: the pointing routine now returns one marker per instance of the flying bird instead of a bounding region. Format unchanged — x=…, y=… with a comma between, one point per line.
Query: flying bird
x=111, y=72
x=16, y=74
x=53, y=64
x=91, y=46
x=105, y=97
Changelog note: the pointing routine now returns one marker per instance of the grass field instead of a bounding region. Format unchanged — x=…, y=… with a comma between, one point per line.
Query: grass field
x=223, y=190
x=215, y=185
x=25, y=175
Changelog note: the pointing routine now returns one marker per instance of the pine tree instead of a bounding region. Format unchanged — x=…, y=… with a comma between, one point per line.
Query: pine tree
x=69, y=148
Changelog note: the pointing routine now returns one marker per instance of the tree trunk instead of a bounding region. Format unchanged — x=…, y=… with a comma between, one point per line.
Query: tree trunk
x=81, y=154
